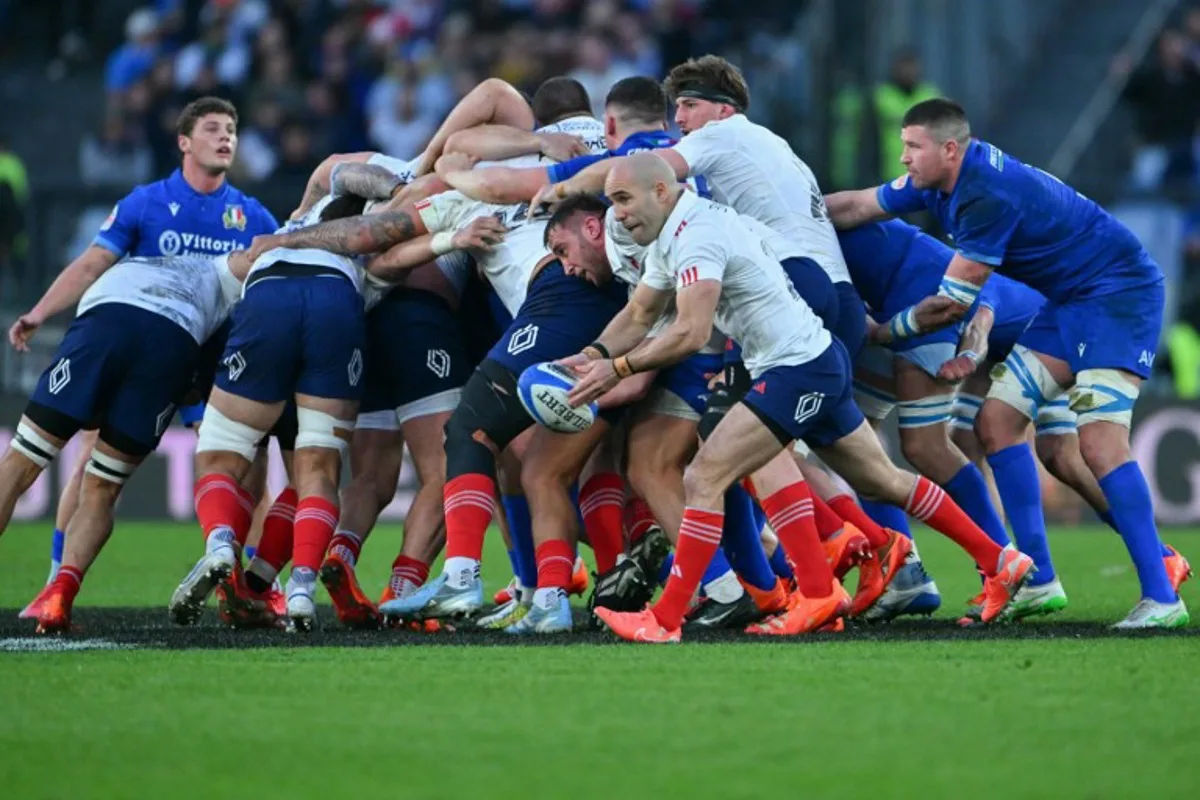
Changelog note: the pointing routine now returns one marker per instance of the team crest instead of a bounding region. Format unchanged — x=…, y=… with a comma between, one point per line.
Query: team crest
x=234, y=217
x=900, y=182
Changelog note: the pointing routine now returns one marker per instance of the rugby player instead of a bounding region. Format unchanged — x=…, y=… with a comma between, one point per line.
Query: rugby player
x=1104, y=293
x=124, y=364
x=192, y=212
x=714, y=264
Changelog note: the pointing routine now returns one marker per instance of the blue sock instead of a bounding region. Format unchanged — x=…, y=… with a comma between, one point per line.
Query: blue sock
x=887, y=515
x=780, y=565
x=741, y=541
x=760, y=516
x=1129, y=500
x=1107, y=518
x=716, y=568
x=512, y=559
x=520, y=528
x=664, y=571
x=56, y=546
x=969, y=490
x=1020, y=490
x=250, y=551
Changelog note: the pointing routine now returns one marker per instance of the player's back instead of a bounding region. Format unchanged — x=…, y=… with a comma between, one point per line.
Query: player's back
x=299, y=258
x=748, y=167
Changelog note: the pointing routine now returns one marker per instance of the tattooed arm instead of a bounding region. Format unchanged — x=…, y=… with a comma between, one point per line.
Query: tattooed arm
x=318, y=182
x=368, y=181
x=351, y=236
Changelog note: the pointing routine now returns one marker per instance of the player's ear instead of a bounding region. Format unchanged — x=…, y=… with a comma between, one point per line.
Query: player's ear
x=184, y=143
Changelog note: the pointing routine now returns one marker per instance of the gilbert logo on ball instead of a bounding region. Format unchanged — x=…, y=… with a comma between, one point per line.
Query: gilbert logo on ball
x=543, y=390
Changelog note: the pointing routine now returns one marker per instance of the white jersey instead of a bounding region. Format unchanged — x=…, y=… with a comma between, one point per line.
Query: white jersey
x=406, y=171
x=353, y=267
x=195, y=292
x=756, y=172
x=758, y=307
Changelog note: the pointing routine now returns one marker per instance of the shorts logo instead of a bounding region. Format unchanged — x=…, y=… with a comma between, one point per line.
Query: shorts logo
x=60, y=376
x=809, y=406
x=438, y=362
x=164, y=419
x=236, y=364
x=168, y=243
x=1082, y=347
x=355, y=367
x=1146, y=359
x=522, y=339
x=760, y=387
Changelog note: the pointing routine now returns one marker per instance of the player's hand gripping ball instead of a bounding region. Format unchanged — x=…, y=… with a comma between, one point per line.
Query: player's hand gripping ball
x=543, y=390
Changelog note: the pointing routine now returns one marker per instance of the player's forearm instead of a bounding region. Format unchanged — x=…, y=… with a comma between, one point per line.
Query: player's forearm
x=680, y=340
x=73, y=281
x=500, y=185
x=391, y=265
x=355, y=236
x=492, y=101
x=974, y=341
x=854, y=208
x=494, y=142
x=319, y=182
x=368, y=181
x=589, y=180
x=623, y=333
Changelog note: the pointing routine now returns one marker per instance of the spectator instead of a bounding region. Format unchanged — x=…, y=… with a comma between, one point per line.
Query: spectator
x=277, y=84
x=1191, y=30
x=1165, y=97
x=116, y=155
x=903, y=89
x=228, y=56
x=403, y=130
x=133, y=60
x=597, y=70
x=297, y=157
x=257, y=154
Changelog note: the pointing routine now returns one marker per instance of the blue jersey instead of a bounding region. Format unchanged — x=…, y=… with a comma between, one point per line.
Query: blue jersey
x=169, y=218
x=634, y=143
x=1030, y=226
x=893, y=265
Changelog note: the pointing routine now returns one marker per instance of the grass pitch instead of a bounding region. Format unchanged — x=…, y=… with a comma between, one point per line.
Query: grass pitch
x=1055, y=708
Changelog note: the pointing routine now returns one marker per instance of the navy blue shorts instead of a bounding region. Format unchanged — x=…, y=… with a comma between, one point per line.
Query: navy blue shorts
x=296, y=335
x=119, y=368
x=688, y=380
x=813, y=401
x=561, y=315
x=416, y=348
x=851, y=325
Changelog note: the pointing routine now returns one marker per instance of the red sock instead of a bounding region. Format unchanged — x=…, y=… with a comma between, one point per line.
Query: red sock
x=275, y=546
x=699, y=538
x=790, y=514
x=555, y=563
x=850, y=511
x=410, y=569
x=316, y=520
x=346, y=545
x=827, y=521
x=470, y=501
x=638, y=519
x=221, y=503
x=602, y=503
x=241, y=531
x=68, y=580
x=934, y=507
x=748, y=485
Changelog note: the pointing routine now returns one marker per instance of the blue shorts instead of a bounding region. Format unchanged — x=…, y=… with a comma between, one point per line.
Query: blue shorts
x=851, y=325
x=1042, y=335
x=688, y=380
x=119, y=368
x=561, y=315
x=296, y=335
x=1114, y=331
x=1005, y=333
x=813, y=401
x=821, y=294
x=415, y=349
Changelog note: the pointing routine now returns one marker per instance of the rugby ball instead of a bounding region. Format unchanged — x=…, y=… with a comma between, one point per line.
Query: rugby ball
x=543, y=390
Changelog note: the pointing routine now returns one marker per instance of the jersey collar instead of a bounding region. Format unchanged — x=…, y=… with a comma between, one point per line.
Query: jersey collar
x=179, y=184
x=677, y=218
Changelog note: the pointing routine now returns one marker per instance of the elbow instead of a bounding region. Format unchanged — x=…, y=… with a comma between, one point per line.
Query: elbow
x=696, y=336
x=458, y=142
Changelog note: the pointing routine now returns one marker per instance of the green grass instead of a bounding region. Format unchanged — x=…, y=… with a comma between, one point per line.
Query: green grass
x=1058, y=718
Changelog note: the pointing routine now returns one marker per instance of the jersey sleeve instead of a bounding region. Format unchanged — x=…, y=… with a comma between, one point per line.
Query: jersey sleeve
x=120, y=232
x=983, y=227
x=447, y=211
x=568, y=169
x=264, y=220
x=901, y=197
x=406, y=171
x=702, y=147
x=700, y=255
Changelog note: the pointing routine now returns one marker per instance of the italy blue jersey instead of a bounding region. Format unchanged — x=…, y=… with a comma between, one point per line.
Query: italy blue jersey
x=1030, y=226
x=169, y=218
x=634, y=143
x=893, y=265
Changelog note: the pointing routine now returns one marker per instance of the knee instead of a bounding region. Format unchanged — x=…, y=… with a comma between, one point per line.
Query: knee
x=1104, y=447
x=1056, y=454
x=999, y=426
x=926, y=449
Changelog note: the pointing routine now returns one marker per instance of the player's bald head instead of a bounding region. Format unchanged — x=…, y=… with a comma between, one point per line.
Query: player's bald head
x=643, y=190
x=643, y=170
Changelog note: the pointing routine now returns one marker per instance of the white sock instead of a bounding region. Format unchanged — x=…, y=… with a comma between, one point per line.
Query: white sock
x=461, y=572
x=343, y=552
x=548, y=599
x=219, y=537
x=525, y=594
x=725, y=589
x=302, y=578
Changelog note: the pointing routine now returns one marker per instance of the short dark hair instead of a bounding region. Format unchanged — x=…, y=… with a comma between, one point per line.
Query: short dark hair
x=639, y=99
x=344, y=205
x=944, y=118
x=559, y=98
x=711, y=75
x=196, y=109
x=575, y=204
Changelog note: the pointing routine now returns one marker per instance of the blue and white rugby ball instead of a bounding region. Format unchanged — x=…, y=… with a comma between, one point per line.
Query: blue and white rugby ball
x=543, y=390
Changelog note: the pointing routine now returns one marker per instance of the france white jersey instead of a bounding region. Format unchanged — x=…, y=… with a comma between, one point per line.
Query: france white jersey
x=195, y=292
x=758, y=307
x=406, y=171
x=352, y=267
x=751, y=169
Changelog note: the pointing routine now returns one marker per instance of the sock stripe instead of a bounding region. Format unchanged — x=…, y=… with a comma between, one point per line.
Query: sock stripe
x=318, y=515
x=788, y=516
x=481, y=500
x=602, y=499
x=711, y=538
x=925, y=506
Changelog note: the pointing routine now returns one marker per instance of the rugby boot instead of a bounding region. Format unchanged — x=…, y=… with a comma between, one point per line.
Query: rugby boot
x=508, y=592
x=438, y=600
x=553, y=616
x=1178, y=568
x=1013, y=570
x=217, y=563
x=354, y=609
x=1032, y=601
x=846, y=549
x=637, y=626
x=877, y=572
x=504, y=615
x=805, y=615
x=239, y=606
x=650, y=552
x=623, y=588
x=301, y=599
x=34, y=608
x=712, y=615
x=771, y=601
x=579, y=578
x=912, y=592
x=54, y=616
x=1152, y=614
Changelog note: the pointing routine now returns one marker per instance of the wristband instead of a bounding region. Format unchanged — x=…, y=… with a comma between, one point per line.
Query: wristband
x=971, y=354
x=904, y=325
x=622, y=367
x=600, y=350
x=442, y=243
